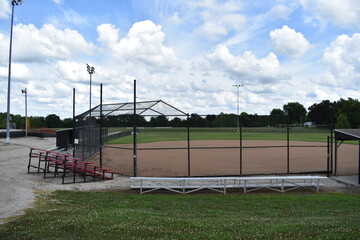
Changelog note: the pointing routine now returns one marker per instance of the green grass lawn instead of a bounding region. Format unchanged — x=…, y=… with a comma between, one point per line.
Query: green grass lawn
x=110, y=215
x=176, y=134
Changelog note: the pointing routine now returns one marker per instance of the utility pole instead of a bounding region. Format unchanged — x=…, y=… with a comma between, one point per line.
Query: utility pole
x=91, y=71
x=26, y=120
x=13, y=3
x=237, y=97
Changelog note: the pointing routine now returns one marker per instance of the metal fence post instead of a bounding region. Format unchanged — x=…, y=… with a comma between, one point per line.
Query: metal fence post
x=74, y=122
x=241, y=147
x=359, y=165
x=288, y=144
x=331, y=146
x=188, y=145
x=134, y=134
x=328, y=156
x=101, y=123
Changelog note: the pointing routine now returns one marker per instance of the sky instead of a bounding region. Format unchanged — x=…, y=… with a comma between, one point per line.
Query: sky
x=188, y=53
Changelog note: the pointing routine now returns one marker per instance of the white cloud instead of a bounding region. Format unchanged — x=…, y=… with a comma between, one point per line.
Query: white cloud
x=18, y=71
x=218, y=19
x=67, y=19
x=212, y=30
x=222, y=99
x=38, y=45
x=108, y=34
x=4, y=48
x=58, y=1
x=71, y=71
x=233, y=21
x=343, y=58
x=175, y=18
x=5, y=9
x=227, y=6
x=144, y=44
x=288, y=42
x=344, y=13
x=280, y=11
x=74, y=18
x=247, y=66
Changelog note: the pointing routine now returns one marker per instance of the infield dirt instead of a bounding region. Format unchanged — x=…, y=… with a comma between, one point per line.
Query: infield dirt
x=222, y=157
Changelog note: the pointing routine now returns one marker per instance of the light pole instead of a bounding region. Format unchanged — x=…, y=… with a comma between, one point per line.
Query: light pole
x=26, y=121
x=237, y=96
x=13, y=3
x=91, y=71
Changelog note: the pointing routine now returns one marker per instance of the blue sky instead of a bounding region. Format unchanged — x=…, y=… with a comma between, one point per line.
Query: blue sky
x=188, y=53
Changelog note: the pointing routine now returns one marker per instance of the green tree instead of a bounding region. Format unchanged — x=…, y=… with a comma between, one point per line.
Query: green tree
x=226, y=120
x=244, y=119
x=322, y=113
x=18, y=120
x=342, y=121
x=37, y=122
x=53, y=121
x=351, y=108
x=2, y=120
x=295, y=112
x=177, y=122
x=159, y=121
x=68, y=122
x=277, y=117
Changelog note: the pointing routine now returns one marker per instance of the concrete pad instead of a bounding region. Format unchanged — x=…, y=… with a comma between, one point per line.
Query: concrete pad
x=349, y=179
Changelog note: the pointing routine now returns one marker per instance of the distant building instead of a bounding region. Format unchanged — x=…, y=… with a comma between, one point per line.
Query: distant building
x=309, y=124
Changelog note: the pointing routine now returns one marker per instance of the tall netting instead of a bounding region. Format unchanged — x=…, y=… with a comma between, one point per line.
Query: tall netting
x=87, y=137
x=162, y=151
x=308, y=149
x=264, y=150
x=347, y=152
x=153, y=138
x=348, y=158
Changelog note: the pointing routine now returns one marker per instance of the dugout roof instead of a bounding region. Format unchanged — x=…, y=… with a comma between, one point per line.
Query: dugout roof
x=147, y=108
x=347, y=134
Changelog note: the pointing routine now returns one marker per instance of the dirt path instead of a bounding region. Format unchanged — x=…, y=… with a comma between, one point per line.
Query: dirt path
x=17, y=188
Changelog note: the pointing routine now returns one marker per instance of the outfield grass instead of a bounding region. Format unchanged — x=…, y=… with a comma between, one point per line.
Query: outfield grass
x=109, y=215
x=177, y=134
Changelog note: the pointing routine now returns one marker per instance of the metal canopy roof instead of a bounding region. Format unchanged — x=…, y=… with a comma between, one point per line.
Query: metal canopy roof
x=148, y=108
x=347, y=134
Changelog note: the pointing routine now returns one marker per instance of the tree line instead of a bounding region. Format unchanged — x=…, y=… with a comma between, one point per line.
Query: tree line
x=342, y=114
x=50, y=121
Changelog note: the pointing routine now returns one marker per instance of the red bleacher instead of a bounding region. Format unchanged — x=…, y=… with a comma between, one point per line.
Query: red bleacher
x=66, y=166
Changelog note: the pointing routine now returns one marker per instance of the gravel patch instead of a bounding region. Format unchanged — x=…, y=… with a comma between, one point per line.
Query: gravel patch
x=17, y=188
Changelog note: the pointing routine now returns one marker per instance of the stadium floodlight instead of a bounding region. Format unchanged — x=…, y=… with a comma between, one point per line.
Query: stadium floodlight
x=237, y=101
x=91, y=71
x=16, y=2
x=26, y=121
x=13, y=3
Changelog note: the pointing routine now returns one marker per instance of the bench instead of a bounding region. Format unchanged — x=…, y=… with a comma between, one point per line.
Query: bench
x=66, y=165
x=221, y=184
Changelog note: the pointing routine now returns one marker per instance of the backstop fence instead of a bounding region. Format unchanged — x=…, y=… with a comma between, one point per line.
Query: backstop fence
x=143, y=150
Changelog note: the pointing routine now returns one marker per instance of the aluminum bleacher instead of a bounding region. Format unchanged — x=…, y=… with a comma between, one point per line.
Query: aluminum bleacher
x=221, y=184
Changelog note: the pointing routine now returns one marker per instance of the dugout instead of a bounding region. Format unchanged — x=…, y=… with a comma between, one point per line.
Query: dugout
x=342, y=135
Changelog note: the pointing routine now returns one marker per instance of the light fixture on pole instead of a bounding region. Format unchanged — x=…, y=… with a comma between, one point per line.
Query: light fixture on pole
x=91, y=71
x=13, y=3
x=237, y=96
x=26, y=120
